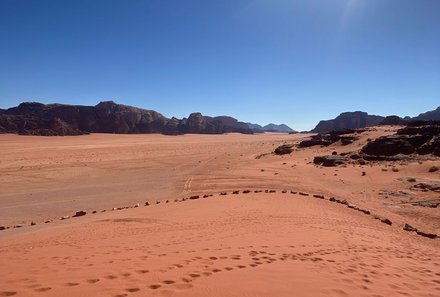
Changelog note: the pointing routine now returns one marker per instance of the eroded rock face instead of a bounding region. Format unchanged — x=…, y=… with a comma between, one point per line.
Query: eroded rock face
x=424, y=139
x=107, y=117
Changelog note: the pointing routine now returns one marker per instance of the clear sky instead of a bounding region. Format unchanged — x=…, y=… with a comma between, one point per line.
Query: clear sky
x=282, y=61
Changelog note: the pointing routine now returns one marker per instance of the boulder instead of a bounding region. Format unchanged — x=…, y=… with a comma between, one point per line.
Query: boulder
x=426, y=234
x=386, y=221
x=432, y=186
x=80, y=213
x=409, y=228
x=284, y=149
x=330, y=160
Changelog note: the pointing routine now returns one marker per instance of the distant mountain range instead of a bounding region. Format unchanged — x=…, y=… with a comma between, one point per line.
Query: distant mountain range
x=359, y=119
x=271, y=128
x=32, y=118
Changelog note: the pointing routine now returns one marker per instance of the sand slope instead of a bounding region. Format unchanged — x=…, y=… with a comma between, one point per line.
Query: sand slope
x=234, y=245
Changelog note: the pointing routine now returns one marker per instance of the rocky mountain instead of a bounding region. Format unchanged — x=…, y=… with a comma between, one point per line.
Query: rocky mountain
x=255, y=127
x=359, y=119
x=433, y=115
x=348, y=121
x=32, y=118
x=278, y=128
x=270, y=128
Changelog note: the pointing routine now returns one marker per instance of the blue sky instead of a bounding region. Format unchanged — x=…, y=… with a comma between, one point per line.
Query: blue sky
x=281, y=61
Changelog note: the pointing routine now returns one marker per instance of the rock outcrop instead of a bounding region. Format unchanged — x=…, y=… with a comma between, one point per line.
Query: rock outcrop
x=284, y=149
x=330, y=160
x=423, y=139
x=325, y=139
x=34, y=118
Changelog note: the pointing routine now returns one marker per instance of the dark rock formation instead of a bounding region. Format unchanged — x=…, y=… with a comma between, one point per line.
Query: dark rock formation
x=394, y=120
x=426, y=234
x=107, y=117
x=80, y=213
x=386, y=221
x=284, y=149
x=431, y=186
x=424, y=139
x=330, y=160
x=326, y=139
x=409, y=228
x=433, y=115
x=348, y=120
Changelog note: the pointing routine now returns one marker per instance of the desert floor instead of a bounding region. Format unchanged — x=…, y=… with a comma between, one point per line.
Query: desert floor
x=255, y=244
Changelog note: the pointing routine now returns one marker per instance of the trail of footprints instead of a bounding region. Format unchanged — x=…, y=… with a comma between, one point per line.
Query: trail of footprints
x=197, y=267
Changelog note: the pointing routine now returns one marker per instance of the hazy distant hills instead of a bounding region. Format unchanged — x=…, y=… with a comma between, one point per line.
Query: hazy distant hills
x=359, y=119
x=270, y=128
x=32, y=118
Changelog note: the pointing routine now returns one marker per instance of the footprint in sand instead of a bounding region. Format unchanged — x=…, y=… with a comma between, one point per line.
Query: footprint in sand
x=132, y=290
x=45, y=289
x=93, y=281
x=168, y=282
x=71, y=284
x=183, y=286
x=8, y=293
x=194, y=275
x=155, y=287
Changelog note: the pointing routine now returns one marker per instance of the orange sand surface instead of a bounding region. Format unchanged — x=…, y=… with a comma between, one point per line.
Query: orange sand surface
x=255, y=244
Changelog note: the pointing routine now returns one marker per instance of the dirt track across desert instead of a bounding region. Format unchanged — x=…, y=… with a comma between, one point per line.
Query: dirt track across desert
x=256, y=242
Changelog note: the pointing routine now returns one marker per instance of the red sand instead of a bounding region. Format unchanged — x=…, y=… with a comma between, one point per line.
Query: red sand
x=265, y=244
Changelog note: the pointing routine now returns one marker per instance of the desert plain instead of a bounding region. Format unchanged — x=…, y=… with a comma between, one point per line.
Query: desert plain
x=211, y=215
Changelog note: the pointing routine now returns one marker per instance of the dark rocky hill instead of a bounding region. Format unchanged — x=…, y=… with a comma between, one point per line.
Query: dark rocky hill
x=348, y=121
x=32, y=118
x=433, y=115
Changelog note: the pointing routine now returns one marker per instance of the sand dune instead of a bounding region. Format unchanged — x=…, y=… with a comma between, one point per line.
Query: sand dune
x=254, y=244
